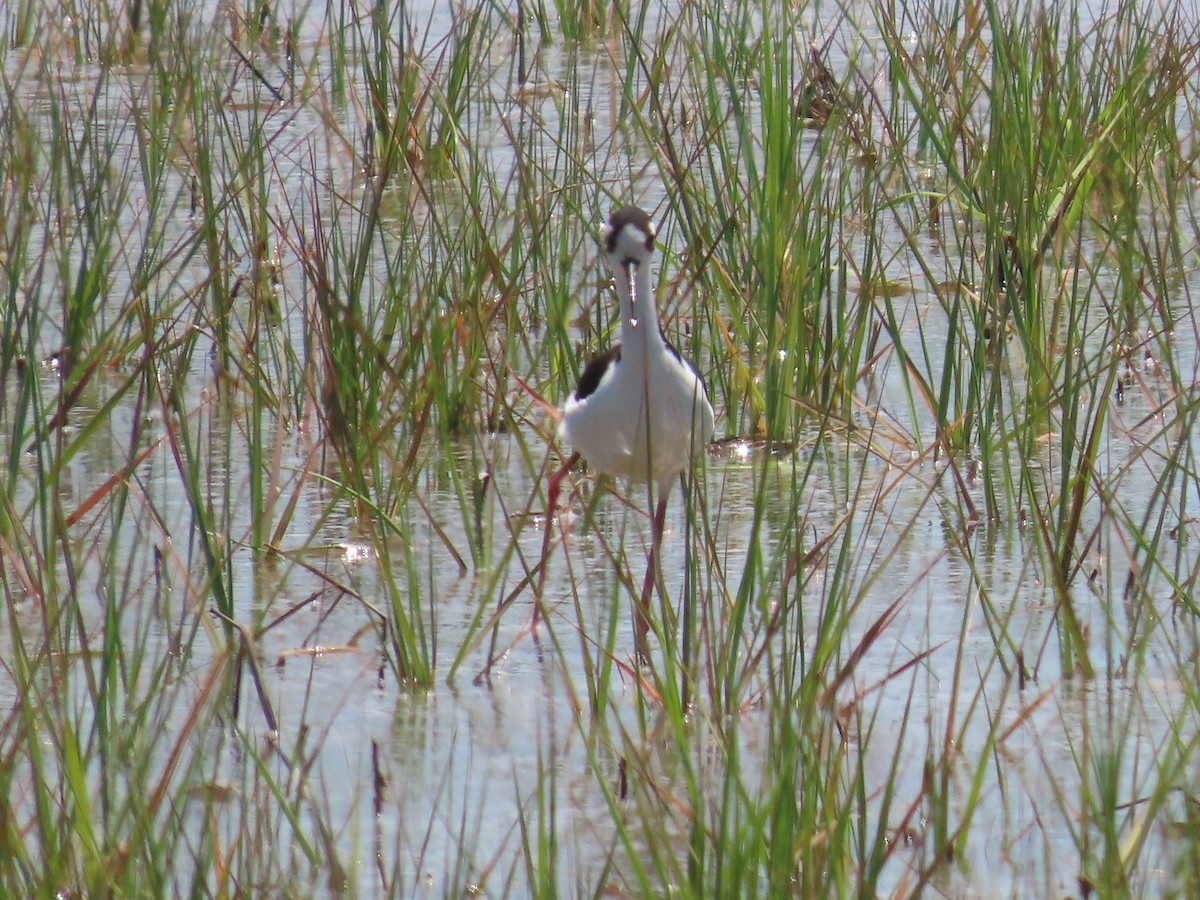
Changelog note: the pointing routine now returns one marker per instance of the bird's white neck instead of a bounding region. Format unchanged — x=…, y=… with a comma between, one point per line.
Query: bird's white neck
x=640, y=334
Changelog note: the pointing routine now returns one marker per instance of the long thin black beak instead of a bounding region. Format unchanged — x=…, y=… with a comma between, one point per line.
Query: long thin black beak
x=631, y=279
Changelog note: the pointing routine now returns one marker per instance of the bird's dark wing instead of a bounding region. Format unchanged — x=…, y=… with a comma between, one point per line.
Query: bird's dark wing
x=594, y=371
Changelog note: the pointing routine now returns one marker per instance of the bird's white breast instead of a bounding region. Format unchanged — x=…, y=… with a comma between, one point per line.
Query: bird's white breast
x=609, y=426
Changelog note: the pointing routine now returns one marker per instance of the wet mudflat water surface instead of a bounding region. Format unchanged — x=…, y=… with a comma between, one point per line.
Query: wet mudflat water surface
x=280, y=290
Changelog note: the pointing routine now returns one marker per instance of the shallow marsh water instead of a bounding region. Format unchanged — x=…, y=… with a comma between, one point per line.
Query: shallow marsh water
x=961, y=603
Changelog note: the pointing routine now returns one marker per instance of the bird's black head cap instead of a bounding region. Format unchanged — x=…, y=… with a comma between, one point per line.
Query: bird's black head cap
x=629, y=216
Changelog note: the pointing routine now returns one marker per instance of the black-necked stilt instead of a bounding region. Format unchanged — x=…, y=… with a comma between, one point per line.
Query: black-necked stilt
x=639, y=412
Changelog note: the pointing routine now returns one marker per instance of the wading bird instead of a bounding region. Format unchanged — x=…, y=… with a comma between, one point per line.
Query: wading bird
x=640, y=412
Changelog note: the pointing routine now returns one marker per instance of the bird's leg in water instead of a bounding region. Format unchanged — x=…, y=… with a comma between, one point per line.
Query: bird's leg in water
x=553, y=489
x=642, y=613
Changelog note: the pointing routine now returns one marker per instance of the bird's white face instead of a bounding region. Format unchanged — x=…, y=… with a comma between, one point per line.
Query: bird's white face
x=628, y=245
x=629, y=238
